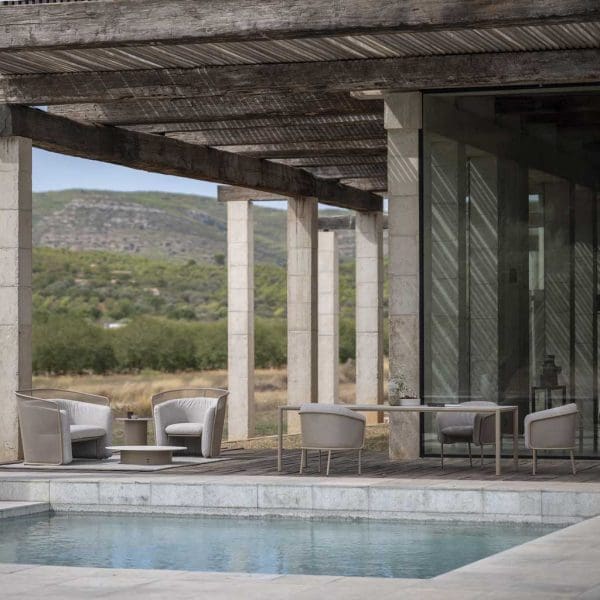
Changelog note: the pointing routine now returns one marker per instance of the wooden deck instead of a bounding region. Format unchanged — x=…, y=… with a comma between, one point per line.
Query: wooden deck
x=377, y=464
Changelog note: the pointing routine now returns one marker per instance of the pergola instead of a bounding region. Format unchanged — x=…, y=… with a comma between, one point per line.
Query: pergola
x=306, y=101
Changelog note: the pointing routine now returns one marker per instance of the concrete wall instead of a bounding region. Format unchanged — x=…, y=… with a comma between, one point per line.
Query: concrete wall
x=15, y=286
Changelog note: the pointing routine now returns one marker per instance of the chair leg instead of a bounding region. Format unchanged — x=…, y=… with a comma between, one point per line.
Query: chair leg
x=533, y=461
x=481, y=447
x=301, y=461
x=359, y=461
x=328, y=461
x=573, y=462
x=470, y=455
x=442, y=455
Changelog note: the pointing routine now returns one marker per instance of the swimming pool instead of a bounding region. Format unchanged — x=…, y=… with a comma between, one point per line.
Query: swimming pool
x=279, y=546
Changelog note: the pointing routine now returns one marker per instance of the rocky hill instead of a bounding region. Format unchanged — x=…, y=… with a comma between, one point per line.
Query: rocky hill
x=155, y=225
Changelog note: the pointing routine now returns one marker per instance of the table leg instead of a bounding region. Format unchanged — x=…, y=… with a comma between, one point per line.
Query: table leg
x=279, y=438
x=497, y=423
x=516, y=438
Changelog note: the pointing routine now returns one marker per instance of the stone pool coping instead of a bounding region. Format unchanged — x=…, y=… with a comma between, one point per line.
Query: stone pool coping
x=342, y=497
x=557, y=566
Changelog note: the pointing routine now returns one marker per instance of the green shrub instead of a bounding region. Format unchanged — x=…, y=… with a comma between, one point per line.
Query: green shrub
x=69, y=345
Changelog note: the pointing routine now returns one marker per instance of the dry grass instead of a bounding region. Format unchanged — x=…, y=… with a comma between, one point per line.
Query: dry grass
x=133, y=392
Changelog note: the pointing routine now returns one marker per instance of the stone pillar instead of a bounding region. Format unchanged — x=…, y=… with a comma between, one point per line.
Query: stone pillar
x=369, y=311
x=302, y=229
x=240, y=319
x=403, y=120
x=15, y=286
x=329, y=318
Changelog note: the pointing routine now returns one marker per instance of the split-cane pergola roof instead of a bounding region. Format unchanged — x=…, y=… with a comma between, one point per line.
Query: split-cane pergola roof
x=295, y=83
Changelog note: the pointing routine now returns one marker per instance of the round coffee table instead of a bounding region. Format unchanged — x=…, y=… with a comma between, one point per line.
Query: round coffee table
x=135, y=431
x=146, y=455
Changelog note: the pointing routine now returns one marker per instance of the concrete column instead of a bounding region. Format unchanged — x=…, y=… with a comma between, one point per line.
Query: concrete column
x=369, y=310
x=403, y=120
x=15, y=286
x=329, y=318
x=302, y=229
x=240, y=319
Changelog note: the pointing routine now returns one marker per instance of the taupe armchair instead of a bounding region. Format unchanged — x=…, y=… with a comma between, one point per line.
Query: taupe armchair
x=466, y=428
x=192, y=417
x=330, y=427
x=59, y=425
x=552, y=429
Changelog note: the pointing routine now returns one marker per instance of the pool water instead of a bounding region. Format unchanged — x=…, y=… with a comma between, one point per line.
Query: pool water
x=282, y=546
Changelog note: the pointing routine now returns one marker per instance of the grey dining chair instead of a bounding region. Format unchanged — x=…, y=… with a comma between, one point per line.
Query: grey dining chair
x=328, y=427
x=552, y=429
x=466, y=428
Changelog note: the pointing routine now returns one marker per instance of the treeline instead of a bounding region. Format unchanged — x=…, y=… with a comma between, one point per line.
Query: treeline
x=70, y=345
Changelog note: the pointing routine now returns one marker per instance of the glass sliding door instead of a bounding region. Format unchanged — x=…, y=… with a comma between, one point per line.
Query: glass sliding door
x=510, y=286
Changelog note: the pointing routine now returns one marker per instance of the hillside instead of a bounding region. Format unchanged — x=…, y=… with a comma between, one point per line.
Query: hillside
x=107, y=286
x=156, y=225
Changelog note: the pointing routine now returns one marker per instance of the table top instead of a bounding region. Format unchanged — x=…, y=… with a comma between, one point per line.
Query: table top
x=134, y=419
x=145, y=448
x=417, y=408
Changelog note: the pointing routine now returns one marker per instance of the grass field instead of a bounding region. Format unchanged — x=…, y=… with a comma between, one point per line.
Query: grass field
x=133, y=392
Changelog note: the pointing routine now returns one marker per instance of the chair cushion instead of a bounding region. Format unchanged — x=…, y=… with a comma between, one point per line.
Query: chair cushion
x=458, y=432
x=86, y=432
x=184, y=429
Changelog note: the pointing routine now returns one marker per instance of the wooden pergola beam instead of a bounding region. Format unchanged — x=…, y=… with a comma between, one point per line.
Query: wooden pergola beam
x=265, y=122
x=387, y=74
x=130, y=22
x=173, y=157
x=137, y=112
x=293, y=149
x=274, y=135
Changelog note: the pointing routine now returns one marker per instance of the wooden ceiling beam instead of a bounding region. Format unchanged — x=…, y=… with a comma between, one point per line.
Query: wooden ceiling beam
x=292, y=121
x=387, y=74
x=73, y=25
x=273, y=135
x=173, y=157
x=294, y=149
x=218, y=109
x=334, y=160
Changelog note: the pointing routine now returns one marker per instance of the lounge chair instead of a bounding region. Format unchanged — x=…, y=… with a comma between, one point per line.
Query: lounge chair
x=191, y=417
x=552, y=429
x=59, y=425
x=331, y=427
x=466, y=428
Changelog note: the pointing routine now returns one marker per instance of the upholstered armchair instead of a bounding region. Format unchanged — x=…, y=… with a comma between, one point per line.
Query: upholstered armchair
x=59, y=425
x=552, y=429
x=467, y=428
x=331, y=427
x=192, y=417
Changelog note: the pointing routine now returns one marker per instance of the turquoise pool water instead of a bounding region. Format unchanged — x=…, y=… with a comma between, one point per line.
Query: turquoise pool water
x=350, y=548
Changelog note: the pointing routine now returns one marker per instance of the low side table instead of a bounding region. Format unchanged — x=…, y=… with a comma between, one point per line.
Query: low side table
x=135, y=431
x=146, y=455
